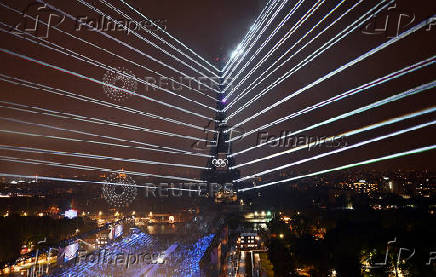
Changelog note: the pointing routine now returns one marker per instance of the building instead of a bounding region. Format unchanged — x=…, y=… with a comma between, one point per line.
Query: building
x=361, y=186
x=248, y=241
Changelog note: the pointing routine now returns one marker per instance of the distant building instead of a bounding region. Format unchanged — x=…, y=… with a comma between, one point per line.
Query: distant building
x=248, y=241
x=361, y=187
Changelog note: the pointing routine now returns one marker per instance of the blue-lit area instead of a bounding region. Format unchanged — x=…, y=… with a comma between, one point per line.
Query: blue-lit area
x=189, y=257
x=137, y=254
x=104, y=262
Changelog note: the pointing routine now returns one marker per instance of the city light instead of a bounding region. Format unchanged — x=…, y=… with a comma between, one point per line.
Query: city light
x=70, y=214
x=111, y=129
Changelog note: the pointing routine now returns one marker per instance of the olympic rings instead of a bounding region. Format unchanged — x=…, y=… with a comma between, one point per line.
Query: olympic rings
x=220, y=162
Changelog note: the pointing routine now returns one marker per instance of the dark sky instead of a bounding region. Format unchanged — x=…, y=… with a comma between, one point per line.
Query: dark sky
x=213, y=29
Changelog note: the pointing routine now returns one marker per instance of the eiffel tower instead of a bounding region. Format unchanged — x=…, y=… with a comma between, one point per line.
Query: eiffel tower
x=220, y=163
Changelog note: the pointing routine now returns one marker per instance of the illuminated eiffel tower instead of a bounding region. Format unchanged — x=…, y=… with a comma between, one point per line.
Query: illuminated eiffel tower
x=221, y=162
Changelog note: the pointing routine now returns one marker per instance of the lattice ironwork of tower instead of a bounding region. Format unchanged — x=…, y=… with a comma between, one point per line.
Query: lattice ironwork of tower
x=221, y=161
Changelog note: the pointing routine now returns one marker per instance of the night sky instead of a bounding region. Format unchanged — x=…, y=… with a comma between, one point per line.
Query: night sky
x=213, y=29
